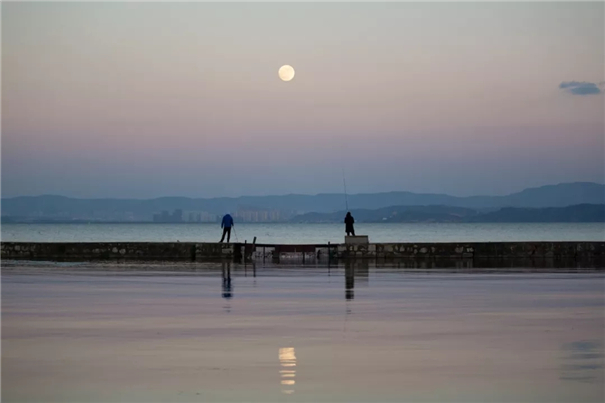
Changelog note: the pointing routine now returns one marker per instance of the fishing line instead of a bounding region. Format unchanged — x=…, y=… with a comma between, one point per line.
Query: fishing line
x=344, y=182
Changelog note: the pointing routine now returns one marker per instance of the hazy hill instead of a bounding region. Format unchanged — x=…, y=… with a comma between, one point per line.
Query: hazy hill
x=565, y=194
x=576, y=213
x=560, y=195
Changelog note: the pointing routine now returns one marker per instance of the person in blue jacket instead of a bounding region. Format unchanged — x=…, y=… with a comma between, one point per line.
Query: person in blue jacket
x=226, y=225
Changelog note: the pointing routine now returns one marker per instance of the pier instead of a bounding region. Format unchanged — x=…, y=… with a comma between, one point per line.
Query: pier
x=591, y=254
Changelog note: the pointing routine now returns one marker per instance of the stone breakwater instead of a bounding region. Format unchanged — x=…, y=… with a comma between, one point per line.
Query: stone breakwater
x=116, y=250
x=573, y=252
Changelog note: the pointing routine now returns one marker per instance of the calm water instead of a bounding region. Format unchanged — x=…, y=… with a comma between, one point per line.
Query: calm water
x=103, y=333
x=305, y=233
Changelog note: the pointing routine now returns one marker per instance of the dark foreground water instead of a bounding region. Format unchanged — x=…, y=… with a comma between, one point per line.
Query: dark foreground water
x=210, y=333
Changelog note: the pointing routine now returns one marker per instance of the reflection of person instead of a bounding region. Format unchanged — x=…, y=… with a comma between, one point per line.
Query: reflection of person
x=349, y=221
x=227, y=289
x=349, y=280
x=226, y=225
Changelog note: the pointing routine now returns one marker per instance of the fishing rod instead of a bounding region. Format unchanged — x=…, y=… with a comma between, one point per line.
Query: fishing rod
x=344, y=182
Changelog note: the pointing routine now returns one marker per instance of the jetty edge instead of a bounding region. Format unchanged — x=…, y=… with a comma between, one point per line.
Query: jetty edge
x=575, y=253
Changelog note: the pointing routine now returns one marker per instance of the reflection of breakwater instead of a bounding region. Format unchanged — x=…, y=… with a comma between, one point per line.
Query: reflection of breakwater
x=287, y=360
x=460, y=255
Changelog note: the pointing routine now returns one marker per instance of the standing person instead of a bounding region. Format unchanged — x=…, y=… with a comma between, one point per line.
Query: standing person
x=349, y=221
x=226, y=225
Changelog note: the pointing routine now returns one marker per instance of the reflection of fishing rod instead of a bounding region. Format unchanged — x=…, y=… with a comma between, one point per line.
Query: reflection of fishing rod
x=344, y=326
x=345, y=186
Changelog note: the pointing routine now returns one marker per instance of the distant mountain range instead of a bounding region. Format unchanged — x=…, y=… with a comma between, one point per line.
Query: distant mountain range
x=575, y=213
x=59, y=207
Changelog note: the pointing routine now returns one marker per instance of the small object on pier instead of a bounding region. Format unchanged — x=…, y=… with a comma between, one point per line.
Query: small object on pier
x=356, y=239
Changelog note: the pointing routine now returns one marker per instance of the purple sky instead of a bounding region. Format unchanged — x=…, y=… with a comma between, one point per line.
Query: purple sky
x=156, y=99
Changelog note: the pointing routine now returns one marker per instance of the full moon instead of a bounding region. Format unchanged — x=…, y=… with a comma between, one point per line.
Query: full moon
x=286, y=73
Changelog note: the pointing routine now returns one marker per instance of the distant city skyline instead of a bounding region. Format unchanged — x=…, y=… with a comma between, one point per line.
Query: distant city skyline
x=144, y=100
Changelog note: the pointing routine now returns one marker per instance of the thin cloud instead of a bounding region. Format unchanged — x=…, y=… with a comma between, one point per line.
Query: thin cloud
x=581, y=87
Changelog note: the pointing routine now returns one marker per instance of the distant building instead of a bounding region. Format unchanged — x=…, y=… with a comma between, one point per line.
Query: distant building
x=177, y=216
x=165, y=216
x=254, y=214
x=198, y=216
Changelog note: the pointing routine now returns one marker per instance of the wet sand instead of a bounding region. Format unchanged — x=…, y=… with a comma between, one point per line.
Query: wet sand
x=213, y=333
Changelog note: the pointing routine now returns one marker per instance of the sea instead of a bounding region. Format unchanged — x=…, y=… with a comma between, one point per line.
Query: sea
x=222, y=332
x=286, y=233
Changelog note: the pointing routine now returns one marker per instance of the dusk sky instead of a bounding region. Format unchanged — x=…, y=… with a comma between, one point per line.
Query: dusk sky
x=141, y=100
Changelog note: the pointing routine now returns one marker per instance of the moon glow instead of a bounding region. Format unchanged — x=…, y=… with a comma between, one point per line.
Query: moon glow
x=286, y=73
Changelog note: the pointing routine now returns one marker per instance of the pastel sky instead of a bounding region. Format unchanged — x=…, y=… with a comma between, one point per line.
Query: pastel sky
x=161, y=99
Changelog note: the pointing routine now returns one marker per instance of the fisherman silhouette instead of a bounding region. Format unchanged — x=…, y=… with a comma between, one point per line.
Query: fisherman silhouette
x=349, y=221
x=226, y=225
